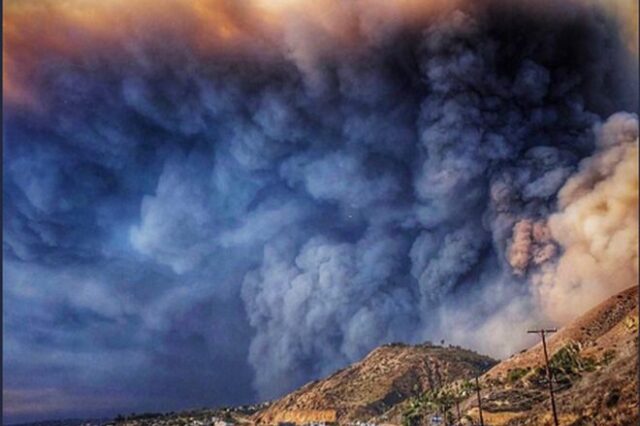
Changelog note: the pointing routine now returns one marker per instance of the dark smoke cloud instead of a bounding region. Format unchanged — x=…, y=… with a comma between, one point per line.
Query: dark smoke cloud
x=208, y=229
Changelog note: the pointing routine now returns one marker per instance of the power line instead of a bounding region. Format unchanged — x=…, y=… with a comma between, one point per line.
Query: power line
x=542, y=332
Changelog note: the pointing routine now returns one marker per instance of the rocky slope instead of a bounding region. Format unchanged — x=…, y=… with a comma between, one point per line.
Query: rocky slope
x=383, y=379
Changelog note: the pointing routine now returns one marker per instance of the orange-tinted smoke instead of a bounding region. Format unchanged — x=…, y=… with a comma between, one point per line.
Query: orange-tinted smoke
x=35, y=30
x=301, y=30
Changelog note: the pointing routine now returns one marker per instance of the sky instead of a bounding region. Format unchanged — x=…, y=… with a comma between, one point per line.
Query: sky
x=211, y=203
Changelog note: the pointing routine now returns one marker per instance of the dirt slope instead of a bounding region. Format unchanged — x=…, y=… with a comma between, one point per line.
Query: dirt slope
x=598, y=329
x=595, y=361
x=384, y=378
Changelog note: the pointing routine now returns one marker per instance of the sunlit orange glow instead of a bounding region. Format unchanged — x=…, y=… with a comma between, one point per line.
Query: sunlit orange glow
x=35, y=30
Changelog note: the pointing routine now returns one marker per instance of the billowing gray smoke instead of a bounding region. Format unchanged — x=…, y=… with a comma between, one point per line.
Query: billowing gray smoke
x=372, y=199
x=442, y=149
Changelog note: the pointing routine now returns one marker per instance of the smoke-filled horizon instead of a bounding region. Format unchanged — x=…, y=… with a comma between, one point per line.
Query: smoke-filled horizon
x=211, y=203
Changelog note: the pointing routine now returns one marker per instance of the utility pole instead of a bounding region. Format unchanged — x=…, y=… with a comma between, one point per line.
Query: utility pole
x=458, y=410
x=542, y=332
x=479, y=401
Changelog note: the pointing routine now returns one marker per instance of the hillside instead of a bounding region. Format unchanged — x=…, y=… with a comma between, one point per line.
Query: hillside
x=594, y=360
x=386, y=377
x=597, y=330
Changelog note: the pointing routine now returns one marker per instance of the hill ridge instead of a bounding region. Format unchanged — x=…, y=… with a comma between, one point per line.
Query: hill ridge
x=385, y=377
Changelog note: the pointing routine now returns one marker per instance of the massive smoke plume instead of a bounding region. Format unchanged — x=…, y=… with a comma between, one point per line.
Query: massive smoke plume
x=289, y=186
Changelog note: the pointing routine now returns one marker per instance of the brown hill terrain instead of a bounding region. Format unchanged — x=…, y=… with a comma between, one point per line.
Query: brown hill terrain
x=594, y=360
x=386, y=377
x=599, y=329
